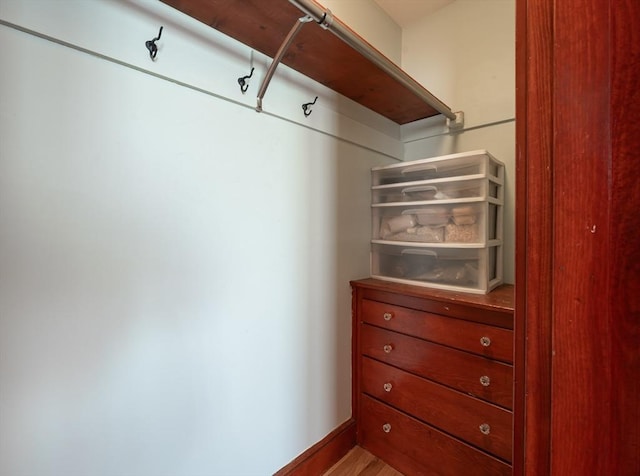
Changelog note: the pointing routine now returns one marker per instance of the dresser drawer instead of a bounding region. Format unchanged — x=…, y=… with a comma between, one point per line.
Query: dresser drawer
x=486, y=379
x=415, y=448
x=482, y=424
x=489, y=341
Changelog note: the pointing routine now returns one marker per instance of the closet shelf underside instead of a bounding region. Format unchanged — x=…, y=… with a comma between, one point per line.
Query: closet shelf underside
x=315, y=52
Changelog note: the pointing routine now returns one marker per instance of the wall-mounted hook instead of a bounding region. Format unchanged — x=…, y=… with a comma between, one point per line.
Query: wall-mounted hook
x=243, y=82
x=151, y=45
x=307, y=107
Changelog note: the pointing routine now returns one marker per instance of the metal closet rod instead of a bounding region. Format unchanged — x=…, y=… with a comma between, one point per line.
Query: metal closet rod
x=278, y=57
x=335, y=26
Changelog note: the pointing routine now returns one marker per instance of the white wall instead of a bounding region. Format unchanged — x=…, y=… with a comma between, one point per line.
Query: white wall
x=464, y=53
x=174, y=267
x=371, y=22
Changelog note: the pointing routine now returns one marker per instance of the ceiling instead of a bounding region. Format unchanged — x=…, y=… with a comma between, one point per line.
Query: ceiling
x=405, y=12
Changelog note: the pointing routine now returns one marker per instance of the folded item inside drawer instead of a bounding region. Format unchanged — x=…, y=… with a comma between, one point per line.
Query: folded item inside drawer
x=467, y=223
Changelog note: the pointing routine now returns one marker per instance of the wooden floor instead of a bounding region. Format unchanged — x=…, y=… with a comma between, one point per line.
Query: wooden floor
x=359, y=462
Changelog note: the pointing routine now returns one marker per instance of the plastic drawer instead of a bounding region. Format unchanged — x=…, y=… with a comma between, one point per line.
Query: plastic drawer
x=461, y=223
x=476, y=270
x=437, y=190
x=478, y=162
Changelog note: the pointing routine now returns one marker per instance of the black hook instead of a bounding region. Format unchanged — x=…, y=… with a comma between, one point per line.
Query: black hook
x=306, y=107
x=151, y=45
x=243, y=83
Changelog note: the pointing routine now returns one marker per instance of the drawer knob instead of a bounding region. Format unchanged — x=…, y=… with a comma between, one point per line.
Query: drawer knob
x=387, y=387
x=485, y=429
x=386, y=427
x=485, y=380
x=485, y=341
x=387, y=348
x=387, y=316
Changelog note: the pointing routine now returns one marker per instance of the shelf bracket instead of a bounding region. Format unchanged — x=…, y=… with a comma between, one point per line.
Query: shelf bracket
x=278, y=57
x=457, y=123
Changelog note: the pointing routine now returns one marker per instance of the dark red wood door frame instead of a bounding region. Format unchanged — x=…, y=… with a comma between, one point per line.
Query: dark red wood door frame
x=577, y=237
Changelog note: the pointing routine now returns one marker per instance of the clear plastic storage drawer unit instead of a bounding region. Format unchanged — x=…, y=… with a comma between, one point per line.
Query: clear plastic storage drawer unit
x=438, y=222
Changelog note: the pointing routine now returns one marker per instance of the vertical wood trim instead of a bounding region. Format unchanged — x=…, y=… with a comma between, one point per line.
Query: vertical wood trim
x=577, y=300
x=581, y=379
x=534, y=219
x=355, y=352
x=624, y=221
x=596, y=304
x=520, y=243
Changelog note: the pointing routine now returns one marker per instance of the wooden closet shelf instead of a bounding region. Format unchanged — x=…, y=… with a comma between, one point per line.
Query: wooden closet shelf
x=315, y=52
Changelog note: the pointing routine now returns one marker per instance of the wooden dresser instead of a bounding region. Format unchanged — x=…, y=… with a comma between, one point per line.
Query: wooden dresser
x=433, y=378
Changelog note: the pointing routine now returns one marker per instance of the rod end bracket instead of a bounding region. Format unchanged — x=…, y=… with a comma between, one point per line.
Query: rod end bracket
x=456, y=124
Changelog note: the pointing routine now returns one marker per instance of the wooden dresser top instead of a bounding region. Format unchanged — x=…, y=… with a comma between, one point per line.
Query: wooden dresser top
x=500, y=299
